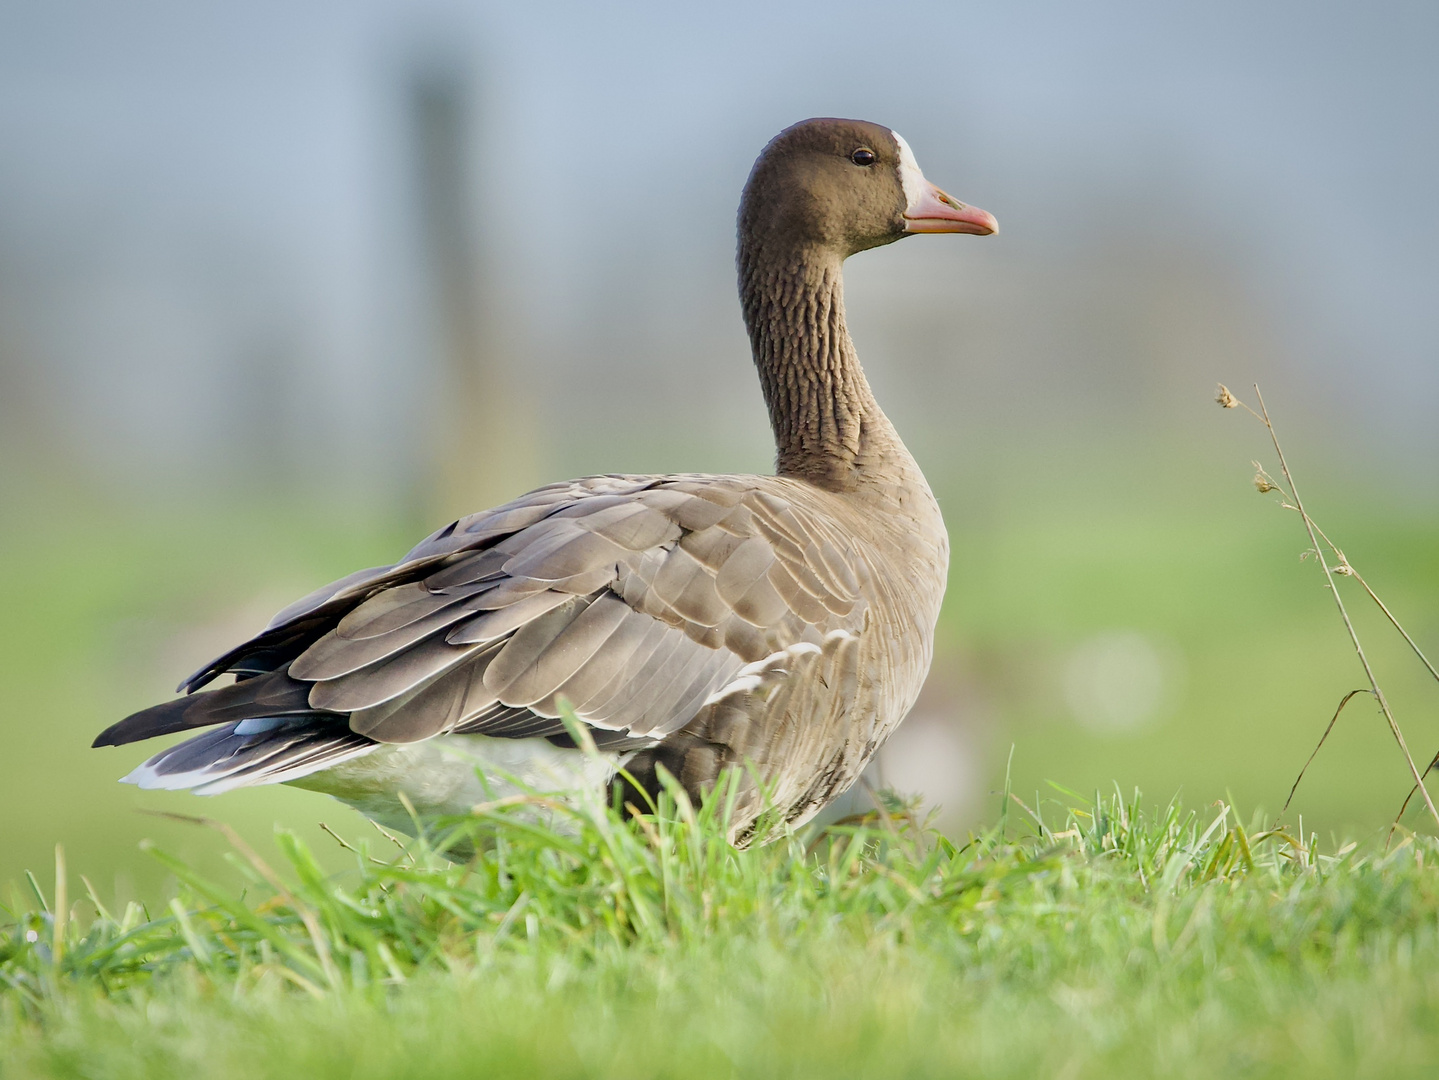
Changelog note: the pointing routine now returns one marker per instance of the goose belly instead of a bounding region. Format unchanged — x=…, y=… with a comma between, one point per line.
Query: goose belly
x=451, y=774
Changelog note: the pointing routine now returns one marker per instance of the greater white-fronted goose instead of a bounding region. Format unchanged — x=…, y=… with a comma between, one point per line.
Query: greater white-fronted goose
x=781, y=623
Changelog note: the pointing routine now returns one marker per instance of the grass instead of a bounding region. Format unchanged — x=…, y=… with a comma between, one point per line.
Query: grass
x=1091, y=938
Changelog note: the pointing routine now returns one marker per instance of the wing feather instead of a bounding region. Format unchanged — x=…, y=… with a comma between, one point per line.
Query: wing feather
x=271, y=694
x=225, y=759
x=609, y=662
x=336, y=654
x=444, y=704
x=390, y=609
x=634, y=695
x=468, y=569
x=687, y=588
x=795, y=598
x=574, y=551
x=527, y=643
x=633, y=526
x=696, y=514
x=834, y=569
x=628, y=661
x=746, y=565
x=502, y=621
x=391, y=677
x=347, y=585
x=574, y=646
x=711, y=547
x=762, y=605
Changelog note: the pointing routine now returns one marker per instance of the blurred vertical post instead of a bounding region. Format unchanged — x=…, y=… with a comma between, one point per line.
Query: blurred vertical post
x=481, y=445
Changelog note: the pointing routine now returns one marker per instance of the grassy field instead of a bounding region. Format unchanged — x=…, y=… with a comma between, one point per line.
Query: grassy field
x=1106, y=940
x=106, y=608
x=1097, y=940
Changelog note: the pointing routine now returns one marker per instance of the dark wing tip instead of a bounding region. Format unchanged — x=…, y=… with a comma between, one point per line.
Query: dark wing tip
x=145, y=724
x=276, y=694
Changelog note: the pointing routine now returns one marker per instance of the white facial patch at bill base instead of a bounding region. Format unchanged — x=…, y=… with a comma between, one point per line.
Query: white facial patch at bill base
x=910, y=177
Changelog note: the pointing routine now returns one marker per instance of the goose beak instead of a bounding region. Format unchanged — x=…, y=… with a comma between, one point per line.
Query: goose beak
x=931, y=210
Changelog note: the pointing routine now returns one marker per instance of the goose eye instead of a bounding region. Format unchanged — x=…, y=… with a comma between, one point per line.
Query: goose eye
x=863, y=156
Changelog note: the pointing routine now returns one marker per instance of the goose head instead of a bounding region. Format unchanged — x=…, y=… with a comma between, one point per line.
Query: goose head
x=846, y=186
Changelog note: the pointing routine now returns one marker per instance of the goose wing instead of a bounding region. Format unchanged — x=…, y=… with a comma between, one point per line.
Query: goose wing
x=635, y=599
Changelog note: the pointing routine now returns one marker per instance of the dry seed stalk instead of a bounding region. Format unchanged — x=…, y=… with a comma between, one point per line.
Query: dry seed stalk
x=1342, y=566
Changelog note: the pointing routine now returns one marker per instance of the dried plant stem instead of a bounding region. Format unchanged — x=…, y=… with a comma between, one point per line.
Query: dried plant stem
x=1395, y=623
x=1400, y=816
x=1343, y=611
x=347, y=846
x=1349, y=571
x=1315, y=752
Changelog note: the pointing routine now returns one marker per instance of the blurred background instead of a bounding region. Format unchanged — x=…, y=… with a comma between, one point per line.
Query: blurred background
x=285, y=286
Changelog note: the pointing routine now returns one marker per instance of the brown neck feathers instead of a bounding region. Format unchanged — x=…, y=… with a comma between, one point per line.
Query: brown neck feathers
x=827, y=426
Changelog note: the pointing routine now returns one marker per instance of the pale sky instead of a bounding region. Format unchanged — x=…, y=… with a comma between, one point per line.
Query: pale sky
x=186, y=186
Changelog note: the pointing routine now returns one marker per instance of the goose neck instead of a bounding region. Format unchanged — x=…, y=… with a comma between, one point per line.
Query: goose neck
x=828, y=428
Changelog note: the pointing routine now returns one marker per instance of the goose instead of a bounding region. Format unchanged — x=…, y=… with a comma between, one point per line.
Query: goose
x=779, y=626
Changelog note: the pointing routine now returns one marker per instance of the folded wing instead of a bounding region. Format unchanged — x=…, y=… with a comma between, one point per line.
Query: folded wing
x=635, y=600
